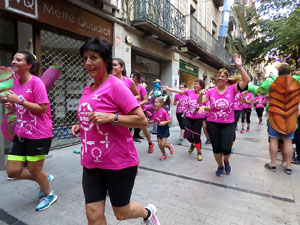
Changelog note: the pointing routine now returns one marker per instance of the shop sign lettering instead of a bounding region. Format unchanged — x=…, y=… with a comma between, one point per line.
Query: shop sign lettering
x=24, y=7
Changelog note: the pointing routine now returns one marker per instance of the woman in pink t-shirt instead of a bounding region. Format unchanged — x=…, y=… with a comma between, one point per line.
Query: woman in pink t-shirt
x=142, y=101
x=194, y=116
x=108, y=155
x=119, y=70
x=33, y=132
x=259, y=101
x=220, y=122
x=162, y=118
x=181, y=102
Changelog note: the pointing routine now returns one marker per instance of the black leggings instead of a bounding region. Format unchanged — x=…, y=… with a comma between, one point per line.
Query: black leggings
x=221, y=136
x=259, y=111
x=237, y=114
x=180, y=119
x=246, y=111
x=193, y=130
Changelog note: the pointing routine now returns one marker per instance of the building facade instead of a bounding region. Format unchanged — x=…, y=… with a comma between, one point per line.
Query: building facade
x=175, y=41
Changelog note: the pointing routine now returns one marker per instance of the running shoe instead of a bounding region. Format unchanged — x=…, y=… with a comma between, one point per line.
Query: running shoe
x=152, y=220
x=10, y=178
x=227, y=167
x=163, y=157
x=207, y=142
x=180, y=141
x=150, y=148
x=248, y=129
x=171, y=149
x=50, y=179
x=46, y=201
x=242, y=131
x=136, y=140
x=191, y=149
x=219, y=171
x=199, y=156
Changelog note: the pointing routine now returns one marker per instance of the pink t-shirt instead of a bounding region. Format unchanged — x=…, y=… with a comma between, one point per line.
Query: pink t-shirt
x=248, y=97
x=193, y=106
x=237, y=104
x=260, y=101
x=161, y=115
x=106, y=146
x=221, y=105
x=142, y=90
x=182, y=102
x=32, y=125
x=127, y=81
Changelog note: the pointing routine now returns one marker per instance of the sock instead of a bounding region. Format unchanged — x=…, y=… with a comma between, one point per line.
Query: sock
x=198, y=147
x=149, y=214
x=150, y=143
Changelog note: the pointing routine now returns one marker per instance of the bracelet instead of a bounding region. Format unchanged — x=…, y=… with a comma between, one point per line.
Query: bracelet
x=21, y=102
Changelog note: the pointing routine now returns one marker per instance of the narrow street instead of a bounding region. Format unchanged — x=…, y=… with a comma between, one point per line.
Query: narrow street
x=185, y=191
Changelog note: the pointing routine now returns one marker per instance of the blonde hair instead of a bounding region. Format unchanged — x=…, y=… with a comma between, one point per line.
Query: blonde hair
x=234, y=79
x=223, y=70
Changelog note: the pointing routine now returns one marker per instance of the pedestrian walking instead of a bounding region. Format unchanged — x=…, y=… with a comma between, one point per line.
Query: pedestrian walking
x=108, y=155
x=33, y=132
x=194, y=116
x=162, y=118
x=181, y=101
x=220, y=122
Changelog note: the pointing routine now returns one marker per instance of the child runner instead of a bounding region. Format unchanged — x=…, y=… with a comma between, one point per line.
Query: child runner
x=162, y=118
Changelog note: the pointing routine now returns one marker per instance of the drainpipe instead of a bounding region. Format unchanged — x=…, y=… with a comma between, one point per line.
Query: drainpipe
x=225, y=21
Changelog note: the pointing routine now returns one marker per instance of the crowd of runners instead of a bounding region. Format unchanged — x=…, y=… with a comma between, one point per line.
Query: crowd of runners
x=112, y=112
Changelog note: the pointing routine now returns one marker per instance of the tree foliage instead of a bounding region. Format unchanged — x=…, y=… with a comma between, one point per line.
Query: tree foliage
x=273, y=30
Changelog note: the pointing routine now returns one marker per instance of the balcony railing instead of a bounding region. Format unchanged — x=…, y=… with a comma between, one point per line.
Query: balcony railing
x=206, y=41
x=161, y=13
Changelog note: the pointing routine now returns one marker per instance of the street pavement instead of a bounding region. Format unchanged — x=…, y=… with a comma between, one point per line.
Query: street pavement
x=184, y=190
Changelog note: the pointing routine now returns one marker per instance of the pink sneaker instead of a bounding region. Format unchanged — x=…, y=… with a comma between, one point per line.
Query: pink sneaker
x=248, y=129
x=163, y=157
x=150, y=148
x=171, y=149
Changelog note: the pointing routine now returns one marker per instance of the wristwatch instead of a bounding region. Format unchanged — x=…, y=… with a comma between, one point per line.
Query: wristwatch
x=21, y=102
x=115, y=121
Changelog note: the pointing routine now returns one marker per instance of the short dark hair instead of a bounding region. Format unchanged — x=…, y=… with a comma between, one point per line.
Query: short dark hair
x=201, y=83
x=122, y=64
x=30, y=59
x=102, y=47
x=284, y=69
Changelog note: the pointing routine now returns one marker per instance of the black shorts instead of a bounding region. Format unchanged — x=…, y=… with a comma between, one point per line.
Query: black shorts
x=163, y=131
x=118, y=183
x=30, y=147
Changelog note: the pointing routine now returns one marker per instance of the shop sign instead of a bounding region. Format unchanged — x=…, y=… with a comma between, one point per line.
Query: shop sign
x=63, y=15
x=27, y=8
x=189, y=68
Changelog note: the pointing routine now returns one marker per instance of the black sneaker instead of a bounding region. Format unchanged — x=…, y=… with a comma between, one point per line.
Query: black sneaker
x=296, y=161
x=136, y=140
x=207, y=142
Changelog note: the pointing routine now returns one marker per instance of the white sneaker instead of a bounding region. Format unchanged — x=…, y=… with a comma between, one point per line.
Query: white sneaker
x=152, y=220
